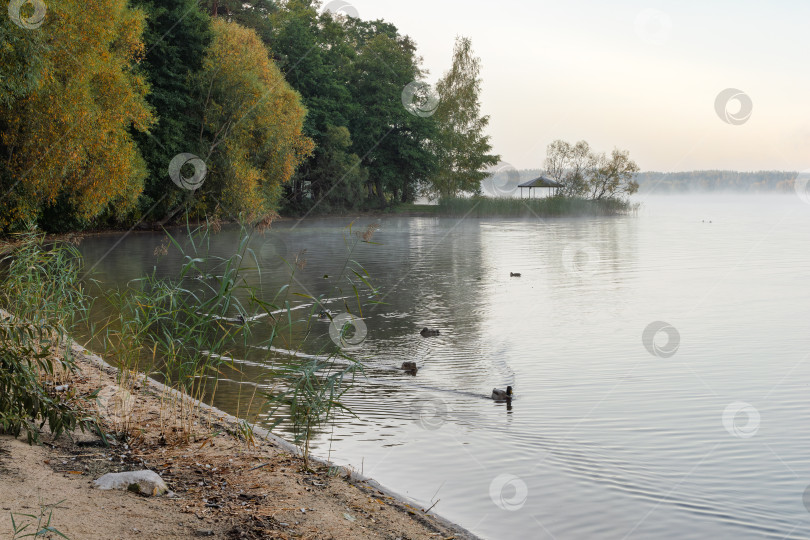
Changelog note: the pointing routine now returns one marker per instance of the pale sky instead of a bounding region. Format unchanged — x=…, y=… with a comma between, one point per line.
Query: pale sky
x=633, y=74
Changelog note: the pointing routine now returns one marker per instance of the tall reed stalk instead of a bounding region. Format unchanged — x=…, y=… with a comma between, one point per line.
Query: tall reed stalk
x=179, y=325
x=311, y=389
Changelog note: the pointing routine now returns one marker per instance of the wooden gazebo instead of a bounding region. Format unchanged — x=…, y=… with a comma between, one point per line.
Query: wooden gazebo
x=542, y=182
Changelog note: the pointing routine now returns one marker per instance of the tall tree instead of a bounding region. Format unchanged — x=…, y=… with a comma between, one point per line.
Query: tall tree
x=176, y=38
x=392, y=140
x=572, y=165
x=586, y=173
x=462, y=146
x=312, y=50
x=614, y=176
x=67, y=142
x=251, y=123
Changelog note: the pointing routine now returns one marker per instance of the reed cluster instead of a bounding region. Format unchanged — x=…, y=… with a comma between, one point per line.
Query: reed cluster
x=183, y=325
x=557, y=206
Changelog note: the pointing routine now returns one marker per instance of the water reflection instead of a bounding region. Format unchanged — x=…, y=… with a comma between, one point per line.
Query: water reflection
x=601, y=433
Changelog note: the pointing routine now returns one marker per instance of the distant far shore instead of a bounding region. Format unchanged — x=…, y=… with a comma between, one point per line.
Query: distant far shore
x=702, y=181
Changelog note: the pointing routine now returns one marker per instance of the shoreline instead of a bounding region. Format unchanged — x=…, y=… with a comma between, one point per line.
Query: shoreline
x=269, y=436
x=343, y=504
x=408, y=210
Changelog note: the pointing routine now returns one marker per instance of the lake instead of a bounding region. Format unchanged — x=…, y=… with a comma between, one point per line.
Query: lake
x=659, y=363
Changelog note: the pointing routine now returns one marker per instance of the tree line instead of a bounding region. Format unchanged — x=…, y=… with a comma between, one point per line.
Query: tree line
x=715, y=180
x=116, y=112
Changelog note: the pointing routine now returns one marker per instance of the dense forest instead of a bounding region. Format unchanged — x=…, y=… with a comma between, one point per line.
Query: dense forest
x=115, y=113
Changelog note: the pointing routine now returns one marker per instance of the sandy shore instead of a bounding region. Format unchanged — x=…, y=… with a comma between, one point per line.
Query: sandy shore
x=223, y=487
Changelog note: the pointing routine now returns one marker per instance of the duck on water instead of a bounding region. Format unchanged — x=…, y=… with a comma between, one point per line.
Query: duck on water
x=410, y=368
x=502, y=395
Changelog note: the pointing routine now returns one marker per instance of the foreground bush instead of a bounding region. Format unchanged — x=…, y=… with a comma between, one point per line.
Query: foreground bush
x=40, y=285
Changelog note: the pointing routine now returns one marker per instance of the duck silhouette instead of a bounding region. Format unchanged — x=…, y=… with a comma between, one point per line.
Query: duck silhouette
x=502, y=395
x=514, y=274
x=410, y=368
x=426, y=332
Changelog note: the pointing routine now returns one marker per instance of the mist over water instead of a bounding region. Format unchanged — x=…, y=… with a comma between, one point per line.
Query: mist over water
x=621, y=427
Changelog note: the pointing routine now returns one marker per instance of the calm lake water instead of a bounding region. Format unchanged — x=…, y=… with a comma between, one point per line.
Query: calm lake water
x=700, y=430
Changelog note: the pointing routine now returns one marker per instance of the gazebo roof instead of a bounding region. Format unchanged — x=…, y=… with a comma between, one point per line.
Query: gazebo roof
x=543, y=181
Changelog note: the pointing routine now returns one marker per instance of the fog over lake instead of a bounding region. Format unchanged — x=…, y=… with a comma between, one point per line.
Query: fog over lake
x=659, y=363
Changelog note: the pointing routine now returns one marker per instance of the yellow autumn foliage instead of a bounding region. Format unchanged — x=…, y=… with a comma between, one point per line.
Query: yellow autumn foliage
x=69, y=137
x=254, y=119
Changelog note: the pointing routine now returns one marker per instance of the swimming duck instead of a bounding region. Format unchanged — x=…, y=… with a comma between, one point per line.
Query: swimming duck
x=324, y=314
x=514, y=274
x=429, y=332
x=410, y=368
x=502, y=395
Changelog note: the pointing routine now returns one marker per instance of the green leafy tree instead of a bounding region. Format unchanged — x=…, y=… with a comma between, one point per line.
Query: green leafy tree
x=393, y=141
x=614, y=176
x=586, y=173
x=462, y=147
x=176, y=38
x=312, y=50
x=572, y=165
x=333, y=174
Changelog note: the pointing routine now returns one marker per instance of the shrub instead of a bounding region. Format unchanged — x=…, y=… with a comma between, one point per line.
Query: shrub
x=40, y=285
